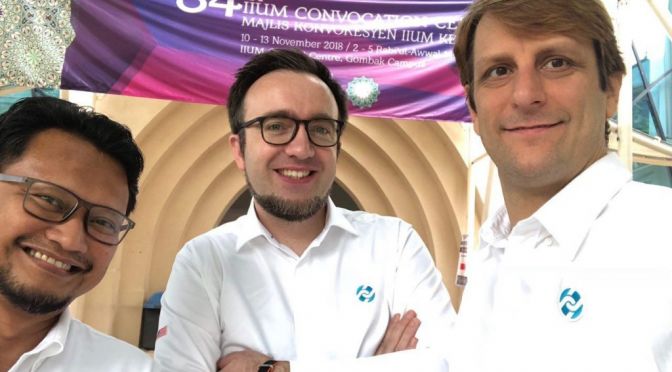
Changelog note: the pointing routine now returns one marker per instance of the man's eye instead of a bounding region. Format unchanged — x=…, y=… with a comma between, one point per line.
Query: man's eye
x=498, y=71
x=556, y=63
x=274, y=127
x=321, y=130
x=103, y=224
x=277, y=126
x=49, y=202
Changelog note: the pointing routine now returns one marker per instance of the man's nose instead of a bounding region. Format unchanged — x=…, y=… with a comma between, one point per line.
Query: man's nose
x=528, y=89
x=300, y=147
x=71, y=234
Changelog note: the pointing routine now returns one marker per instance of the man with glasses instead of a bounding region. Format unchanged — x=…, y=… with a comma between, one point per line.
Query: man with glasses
x=299, y=284
x=68, y=181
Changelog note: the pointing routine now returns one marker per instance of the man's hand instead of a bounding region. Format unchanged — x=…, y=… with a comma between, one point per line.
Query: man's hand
x=247, y=361
x=241, y=361
x=400, y=333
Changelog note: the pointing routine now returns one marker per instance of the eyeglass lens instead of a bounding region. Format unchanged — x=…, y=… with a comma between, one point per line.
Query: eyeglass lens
x=279, y=130
x=52, y=203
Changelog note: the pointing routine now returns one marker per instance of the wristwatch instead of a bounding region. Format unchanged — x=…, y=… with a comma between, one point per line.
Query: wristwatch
x=267, y=366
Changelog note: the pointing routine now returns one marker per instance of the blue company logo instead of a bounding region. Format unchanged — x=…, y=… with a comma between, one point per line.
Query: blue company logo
x=570, y=304
x=365, y=293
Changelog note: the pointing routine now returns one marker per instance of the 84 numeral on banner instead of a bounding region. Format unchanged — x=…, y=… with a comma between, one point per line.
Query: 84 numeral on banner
x=197, y=6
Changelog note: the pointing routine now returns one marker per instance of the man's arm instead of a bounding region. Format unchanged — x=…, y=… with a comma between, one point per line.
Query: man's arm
x=189, y=330
x=424, y=360
x=418, y=286
x=248, y=361
x=400, y=335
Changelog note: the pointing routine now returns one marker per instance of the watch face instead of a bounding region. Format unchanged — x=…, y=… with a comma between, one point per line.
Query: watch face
x=267, y=366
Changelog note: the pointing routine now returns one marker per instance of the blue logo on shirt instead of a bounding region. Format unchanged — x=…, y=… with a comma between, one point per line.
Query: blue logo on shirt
x=365, y=293
x=571, y=305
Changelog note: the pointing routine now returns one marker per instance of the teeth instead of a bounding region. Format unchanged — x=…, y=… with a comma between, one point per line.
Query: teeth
x=294, y=173
x=50, y=260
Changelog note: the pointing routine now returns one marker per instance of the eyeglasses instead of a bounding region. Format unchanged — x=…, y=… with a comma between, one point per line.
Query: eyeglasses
x=52, y=203
x=281, y=130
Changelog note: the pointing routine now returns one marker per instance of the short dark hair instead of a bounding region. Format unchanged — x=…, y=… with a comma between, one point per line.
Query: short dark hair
x=30, y=116
x=272, y=60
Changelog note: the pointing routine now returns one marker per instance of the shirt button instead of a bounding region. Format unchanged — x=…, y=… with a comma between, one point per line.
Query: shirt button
x=548, y=242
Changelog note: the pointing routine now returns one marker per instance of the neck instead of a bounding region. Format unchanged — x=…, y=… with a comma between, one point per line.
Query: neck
x=20, y=332
x=523, y=197
x=520, y=205
x=296, y=235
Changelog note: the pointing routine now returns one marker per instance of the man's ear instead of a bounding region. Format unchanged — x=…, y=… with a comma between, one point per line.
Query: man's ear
x=613, y=91
x=236, y=151
x=472, y=111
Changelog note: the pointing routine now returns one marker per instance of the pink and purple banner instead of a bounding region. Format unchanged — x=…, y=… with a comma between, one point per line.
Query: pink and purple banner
x=393, y=57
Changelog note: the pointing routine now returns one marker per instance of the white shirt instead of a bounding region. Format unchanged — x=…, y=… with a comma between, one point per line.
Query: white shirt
x=603, y=237
x=236, y=287
x=72, y=346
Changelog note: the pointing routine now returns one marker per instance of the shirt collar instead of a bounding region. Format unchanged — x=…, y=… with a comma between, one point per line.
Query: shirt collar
x=568, y=215
x=54, y=342
x=496, y=229
x=336, y=218
x=252, y=228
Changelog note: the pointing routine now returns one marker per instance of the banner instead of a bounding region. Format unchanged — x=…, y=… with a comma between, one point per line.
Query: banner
x=394, y=58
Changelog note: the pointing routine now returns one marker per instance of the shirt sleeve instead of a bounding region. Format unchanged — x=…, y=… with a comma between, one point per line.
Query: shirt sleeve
x=425, y=360
x=189, y=328
x=418, y=286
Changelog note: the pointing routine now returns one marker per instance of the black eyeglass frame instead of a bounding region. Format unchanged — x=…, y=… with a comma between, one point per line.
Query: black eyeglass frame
x=297, y=123
x=80, y=203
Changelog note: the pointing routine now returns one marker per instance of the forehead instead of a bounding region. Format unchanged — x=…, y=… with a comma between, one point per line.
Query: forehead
x=494, y=39
x=75, y=164
x=297, y=93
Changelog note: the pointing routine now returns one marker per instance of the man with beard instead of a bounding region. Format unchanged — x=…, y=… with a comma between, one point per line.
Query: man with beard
x=574, y=273
x=68, y=181
x=299, y=284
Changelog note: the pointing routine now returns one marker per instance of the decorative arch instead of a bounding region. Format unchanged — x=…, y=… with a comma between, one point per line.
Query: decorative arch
x=405, y=168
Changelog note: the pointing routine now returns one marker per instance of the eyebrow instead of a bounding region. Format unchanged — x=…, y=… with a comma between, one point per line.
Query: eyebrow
x=278, y=113
x=557, y=48
x=289, y=114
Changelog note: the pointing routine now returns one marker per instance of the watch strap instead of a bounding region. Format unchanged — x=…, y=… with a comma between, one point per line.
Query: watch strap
x=267, y=366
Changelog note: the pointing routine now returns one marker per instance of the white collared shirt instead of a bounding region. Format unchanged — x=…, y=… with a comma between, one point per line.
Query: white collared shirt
x=236, y=287
x=72, y=346
x=604, y=240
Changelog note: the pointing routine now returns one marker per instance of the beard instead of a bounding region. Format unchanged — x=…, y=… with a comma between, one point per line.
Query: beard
x=27, y=299
x=289, y=210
